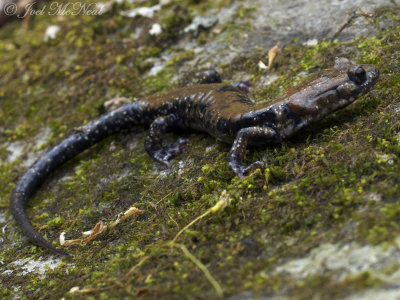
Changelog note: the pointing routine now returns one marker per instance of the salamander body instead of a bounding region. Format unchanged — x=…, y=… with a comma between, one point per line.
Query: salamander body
x=221, y=110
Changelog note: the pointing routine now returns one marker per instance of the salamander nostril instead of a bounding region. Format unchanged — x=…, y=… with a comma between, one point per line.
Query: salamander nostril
x=357, y=74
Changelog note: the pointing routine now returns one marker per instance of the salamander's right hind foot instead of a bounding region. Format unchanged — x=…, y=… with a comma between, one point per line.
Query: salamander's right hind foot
x=169, y=151
x=154, y=145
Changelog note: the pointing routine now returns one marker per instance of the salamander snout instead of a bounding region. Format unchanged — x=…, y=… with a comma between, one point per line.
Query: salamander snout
x=357, y=74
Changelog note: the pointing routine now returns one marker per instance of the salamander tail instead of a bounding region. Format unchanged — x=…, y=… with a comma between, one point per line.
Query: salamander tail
x=17, y=204
x=123, y=118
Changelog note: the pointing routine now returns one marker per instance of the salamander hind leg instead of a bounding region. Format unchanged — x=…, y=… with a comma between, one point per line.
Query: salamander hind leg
x=252, y=135
x=153, y=143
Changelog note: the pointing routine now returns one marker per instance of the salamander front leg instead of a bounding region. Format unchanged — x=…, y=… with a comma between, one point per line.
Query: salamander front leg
x=255, y=136
x=153, y=143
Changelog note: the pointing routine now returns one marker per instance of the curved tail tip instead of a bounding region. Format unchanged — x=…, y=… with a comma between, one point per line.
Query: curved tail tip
x=59, y=252
x=63, y=253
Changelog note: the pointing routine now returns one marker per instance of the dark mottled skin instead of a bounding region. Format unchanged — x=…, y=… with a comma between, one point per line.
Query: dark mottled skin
x=222, y=110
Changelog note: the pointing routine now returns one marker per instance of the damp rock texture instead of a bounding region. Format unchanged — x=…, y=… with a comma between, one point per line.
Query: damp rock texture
x=320, y=222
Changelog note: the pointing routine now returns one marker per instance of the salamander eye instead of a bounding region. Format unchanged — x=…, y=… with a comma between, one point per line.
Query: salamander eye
x=357, y=74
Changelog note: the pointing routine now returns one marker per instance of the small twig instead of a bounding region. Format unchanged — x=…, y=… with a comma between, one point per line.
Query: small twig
x=139, y=264
x=173, y=220
x=165, y=197
x=224, y=201
x=365, y=14
x=190, y=224
x=203, y=268
x=353, y=16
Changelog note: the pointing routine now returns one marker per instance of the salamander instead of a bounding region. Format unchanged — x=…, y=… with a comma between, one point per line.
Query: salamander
x=221, y=110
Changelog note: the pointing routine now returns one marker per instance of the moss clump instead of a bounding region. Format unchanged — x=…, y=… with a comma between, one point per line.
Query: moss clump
x=56, y=222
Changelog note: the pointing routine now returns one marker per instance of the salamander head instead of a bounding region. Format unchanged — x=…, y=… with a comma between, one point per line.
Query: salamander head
x=335, y=89
x=359, y=80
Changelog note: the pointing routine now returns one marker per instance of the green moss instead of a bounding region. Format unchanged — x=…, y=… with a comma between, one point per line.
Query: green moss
x=19, y=133
x=313, y=55
x=245, y=12
x=56, y=222
x=174, y=22
x=370, y=49
x=336, y=183
x=179, y=58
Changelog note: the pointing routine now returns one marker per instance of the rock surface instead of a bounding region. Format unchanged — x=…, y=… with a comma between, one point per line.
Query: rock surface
x=322, y=222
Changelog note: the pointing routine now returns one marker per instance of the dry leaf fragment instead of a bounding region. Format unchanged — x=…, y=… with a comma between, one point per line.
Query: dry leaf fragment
x=272, y=54
x=216, y=30
x=261, y=65
x=77, y=290
x=99, y=228
x=130, y=212
x=92, y=234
